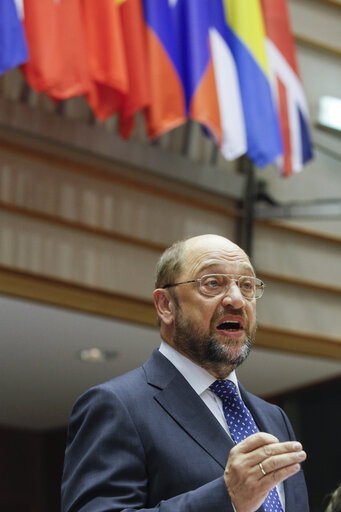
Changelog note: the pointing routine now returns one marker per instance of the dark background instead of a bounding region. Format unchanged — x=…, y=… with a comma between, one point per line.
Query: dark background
x=32, y=461
x=315, y=413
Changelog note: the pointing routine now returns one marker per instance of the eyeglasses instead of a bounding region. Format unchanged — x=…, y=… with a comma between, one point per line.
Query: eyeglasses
x=216, y=284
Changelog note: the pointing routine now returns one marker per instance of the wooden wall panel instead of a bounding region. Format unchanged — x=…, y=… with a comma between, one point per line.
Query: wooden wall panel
x=297, y=255
x=55, y=251
x=113, y=206
x=300, y=309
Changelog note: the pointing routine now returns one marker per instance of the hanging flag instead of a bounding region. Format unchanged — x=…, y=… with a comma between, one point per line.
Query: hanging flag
x=58, y=62
x=197, y=70
x=135, y=48
x=181, y=68
x=167, y=109
x=106, y=54
x=291, y=101
x=234, y=143
x=117, y=50
x=238, y=42
x=13, y=47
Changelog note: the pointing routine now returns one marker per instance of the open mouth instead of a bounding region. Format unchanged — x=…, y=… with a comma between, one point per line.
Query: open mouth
x=231, y=326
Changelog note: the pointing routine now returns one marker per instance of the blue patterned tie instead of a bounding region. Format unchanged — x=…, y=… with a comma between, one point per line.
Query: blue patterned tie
x=241, y=425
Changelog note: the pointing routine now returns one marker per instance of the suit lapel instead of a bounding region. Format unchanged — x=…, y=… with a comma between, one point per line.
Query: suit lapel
x=260, y=412
x=183, y=404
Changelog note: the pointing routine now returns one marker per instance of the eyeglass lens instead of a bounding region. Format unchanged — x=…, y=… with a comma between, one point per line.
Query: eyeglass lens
x=214, y=284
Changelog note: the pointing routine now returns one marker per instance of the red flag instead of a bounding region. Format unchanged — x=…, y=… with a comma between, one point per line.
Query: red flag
x=106, y=53
x=58, y=63
x=135, y=43
x=118, y=59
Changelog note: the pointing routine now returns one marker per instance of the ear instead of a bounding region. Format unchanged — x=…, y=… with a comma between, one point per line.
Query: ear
x=164, y=305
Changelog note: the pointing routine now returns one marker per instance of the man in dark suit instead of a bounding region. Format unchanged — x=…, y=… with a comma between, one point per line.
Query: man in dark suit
x=165, y=437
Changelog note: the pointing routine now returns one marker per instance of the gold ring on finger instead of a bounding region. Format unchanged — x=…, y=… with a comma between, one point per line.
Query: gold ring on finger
x=262, y=469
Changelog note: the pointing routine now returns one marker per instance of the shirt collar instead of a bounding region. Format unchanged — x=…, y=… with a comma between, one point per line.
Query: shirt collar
x=199, y=378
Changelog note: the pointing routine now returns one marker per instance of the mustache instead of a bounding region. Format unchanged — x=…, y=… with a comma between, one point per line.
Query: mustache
x=230, y=311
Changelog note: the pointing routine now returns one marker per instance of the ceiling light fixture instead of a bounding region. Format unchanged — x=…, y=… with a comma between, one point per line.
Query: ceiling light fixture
x=329, y=114
x=96, y=355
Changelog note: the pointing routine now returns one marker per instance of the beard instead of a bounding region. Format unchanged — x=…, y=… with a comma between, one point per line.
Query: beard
x=203, y=348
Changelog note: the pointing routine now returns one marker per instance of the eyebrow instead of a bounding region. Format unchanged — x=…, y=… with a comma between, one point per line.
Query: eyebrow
x=206, y=267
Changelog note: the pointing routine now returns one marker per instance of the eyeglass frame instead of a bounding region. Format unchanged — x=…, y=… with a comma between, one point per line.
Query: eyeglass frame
x=235, y=279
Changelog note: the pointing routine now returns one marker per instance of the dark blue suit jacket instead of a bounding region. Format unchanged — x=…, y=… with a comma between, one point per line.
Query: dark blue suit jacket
x=146, y=441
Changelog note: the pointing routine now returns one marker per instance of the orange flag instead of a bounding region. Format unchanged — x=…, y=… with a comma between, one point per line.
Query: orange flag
x=57, y=62
x=135, y=43
x=107, y=61
x=117, y=48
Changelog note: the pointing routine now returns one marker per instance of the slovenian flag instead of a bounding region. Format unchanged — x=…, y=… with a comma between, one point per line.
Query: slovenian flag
x=13, y=47
x=291, y=102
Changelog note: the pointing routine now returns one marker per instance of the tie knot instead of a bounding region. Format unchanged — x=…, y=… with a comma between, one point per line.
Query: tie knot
x=225, y=389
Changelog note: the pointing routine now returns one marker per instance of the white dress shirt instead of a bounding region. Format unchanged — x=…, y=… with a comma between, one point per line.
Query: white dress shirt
x=200, y=380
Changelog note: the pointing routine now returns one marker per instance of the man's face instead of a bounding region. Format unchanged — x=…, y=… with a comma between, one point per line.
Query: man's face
x=215, y=332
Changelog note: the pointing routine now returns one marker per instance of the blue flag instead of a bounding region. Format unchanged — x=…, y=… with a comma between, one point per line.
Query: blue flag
x=13, y=47
x=247, y=105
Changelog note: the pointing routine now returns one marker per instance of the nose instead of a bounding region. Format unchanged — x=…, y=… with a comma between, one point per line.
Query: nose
x=233, y=296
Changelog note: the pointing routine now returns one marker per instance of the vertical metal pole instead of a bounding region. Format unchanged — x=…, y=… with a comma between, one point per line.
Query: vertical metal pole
x=187, y=136
x=246, y=222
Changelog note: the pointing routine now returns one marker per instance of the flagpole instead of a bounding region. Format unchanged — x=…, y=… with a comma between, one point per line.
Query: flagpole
x=247, y=206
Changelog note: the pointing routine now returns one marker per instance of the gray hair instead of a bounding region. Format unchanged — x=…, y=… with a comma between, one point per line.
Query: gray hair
x=170, y=264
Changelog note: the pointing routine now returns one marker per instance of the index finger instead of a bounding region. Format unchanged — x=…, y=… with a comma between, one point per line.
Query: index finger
x=256, y=441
